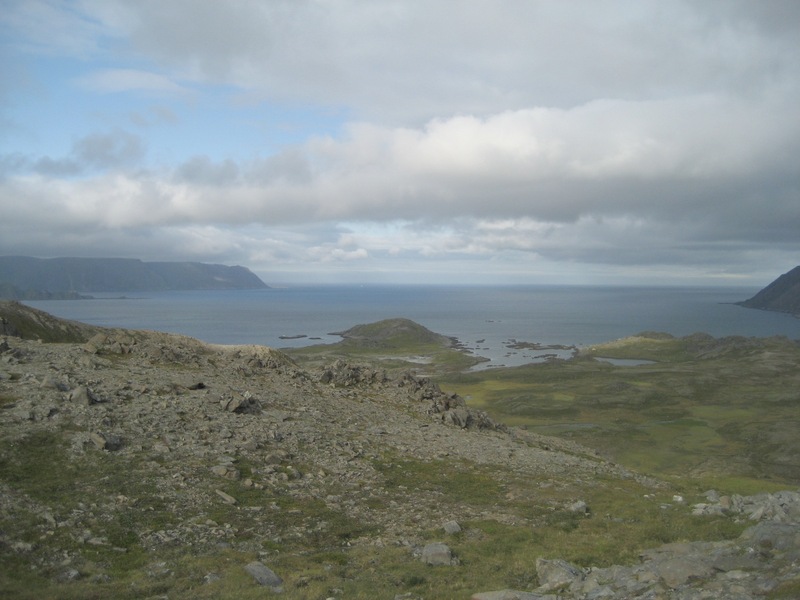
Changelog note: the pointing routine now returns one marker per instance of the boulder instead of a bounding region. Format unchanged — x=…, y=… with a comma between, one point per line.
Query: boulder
x=107, y=441
x=84, y=396
x=438, y=554
x=452, y=528
x=556, y=574
x=265, y=576
x=51, y=383
x=244, y=404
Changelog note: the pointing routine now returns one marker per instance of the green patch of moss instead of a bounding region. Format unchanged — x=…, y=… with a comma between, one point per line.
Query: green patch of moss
x=468, y=483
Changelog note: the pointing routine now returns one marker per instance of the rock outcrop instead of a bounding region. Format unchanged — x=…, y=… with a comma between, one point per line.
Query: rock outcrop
x=764, y=558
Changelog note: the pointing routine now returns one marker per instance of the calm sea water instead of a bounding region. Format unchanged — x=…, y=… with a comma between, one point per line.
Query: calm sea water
x=550, y=315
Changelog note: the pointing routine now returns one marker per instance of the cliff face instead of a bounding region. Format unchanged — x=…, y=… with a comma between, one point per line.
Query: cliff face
x=58, y=275
x=782, y=295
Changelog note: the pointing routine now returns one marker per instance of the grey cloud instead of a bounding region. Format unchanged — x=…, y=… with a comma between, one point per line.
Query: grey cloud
x=290, y=165
x=109, y=150
x=51, y=167
x=201, y=170
x=412, y=61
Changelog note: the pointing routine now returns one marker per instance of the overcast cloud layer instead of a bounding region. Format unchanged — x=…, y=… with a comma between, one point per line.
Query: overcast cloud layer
x=440, y=141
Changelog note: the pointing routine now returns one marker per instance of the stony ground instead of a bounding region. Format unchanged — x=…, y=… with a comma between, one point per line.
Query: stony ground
x=134, y=444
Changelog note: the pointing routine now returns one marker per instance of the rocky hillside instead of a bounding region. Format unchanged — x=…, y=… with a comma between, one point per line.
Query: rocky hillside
x=61, y=275
x=782, y=295
x=140, y=464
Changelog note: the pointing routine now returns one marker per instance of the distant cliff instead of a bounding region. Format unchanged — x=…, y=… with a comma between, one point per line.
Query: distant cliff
x=782, y=295
x=79, y=275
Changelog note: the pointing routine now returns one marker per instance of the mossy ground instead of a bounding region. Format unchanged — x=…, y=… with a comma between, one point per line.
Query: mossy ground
x=699, y=417
x=495, y=552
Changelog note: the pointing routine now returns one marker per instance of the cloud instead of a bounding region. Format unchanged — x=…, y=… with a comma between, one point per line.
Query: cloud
x=109, y=150
x=126, y=80
x=588, y=183
x=408, y=62
x=512, y=137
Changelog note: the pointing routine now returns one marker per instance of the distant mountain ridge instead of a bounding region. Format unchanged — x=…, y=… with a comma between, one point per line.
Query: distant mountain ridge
x=782, y=295
x=81, y=275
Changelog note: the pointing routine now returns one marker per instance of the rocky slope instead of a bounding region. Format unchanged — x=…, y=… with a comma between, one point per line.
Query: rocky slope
x=782, y=295
x=141, y=464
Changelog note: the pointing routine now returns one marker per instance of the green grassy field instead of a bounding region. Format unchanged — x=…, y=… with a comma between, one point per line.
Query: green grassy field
x=704, y=408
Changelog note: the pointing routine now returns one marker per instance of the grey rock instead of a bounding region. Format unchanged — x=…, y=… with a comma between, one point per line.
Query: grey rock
x=51, y=383
x=226, y=498
x=264, y=576
x=680, y=570
x=211, y=578
x=512, y=595
x=556, y=574
x=438, y=554
x=459, y=417
x=84, y=396
x=452, y=527
x=68, y=575
x=244, y=404
x=107, y=441
x=773, y=536
x=579, y=507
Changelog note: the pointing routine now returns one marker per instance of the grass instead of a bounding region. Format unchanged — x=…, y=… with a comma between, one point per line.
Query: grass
x=725, y=406
x=495, y=552
x=464, y=481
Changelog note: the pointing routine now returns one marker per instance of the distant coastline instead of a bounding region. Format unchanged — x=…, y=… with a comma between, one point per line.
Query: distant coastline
x=29, y=278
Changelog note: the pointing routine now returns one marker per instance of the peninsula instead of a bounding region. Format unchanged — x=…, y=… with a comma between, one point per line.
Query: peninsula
x=59, y=276
x=782, y=295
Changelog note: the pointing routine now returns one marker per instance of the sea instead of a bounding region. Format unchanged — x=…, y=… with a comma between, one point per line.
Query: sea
x=486, y=320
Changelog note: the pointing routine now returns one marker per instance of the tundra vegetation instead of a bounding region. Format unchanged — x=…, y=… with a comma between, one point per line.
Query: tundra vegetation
x=146, y=465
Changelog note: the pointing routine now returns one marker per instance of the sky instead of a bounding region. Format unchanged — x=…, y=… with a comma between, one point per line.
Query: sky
x=624, y=142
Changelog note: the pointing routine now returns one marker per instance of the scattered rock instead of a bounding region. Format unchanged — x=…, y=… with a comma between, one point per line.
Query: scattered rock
x=68, y=575
x=211, y=578
x=107, y=441
x=452, y=528
x=51, y=383
x=438, y=554
x=244, y=404
x=226, y=498
x=555, y=575
x=265, y=576
x=512, y=595
x=579, y=507
x=84, y=396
